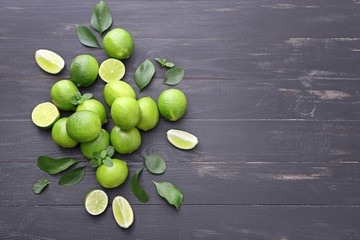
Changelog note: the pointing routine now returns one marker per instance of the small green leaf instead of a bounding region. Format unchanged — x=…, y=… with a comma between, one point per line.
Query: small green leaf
x=40, y=185
x=53, y=166
x=77, y=95
x=72, y=177
x=136, y=189
x=103, y=154
x=74, y=101
x=110, y=151
x=99, y=162
x=101, y=18
x=170, y=192
x=80, y=101
x=87, y=96
x=108, y=162
x=144, y=74
x=169, y=64
x=93, y=163
x=86, y=37
x=96, y=155
x=155, y=164
x=174, y=75
x=159, y=61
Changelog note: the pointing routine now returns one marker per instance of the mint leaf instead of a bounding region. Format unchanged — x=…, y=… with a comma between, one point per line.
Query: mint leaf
x=53, y=166
x=73, y=100
x=40, y=185
x=169, y=64
x=174, y=75
x=108, y=162
x=160, y=61
x=72, y=177
x=93, y=163
x=87, y=96
x=110, y=151
x=170, y=192
x=144, y=74
x=96, y=155
x=77, y=95
x=103, y=154
x=155, y=164
x=101, y=18
x=86, y=37
x=136, y=189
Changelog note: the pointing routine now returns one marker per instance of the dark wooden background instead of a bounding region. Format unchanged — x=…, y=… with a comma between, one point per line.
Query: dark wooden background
x=274, y=98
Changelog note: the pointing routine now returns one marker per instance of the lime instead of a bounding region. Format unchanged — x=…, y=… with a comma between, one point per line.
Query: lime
x=115, y=89
x=149, y=113
x=172, y=104
x=84, y=70
x=125, y=142
x=111, y=69
x=118, y=44
x=114, y=176
x=49, y=61
x=94, y=106
x=60, y=135
x=45, y=115
x=83, y=126
x=182, y=139
x=99, y=144
x=61, y=93
x=125, y=112
x=96, y=202
x=123, y=212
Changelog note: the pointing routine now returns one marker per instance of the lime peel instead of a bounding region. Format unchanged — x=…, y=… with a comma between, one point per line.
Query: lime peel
x=182, y=139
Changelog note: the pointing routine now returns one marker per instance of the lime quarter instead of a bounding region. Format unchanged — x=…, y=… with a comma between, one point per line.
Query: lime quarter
x=96, y=202
x=123, y=212
x=49, y=61
x=111, y=69
x=45, y=115
x=182, y=139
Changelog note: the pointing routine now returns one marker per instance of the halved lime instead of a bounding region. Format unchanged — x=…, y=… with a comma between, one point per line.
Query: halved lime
x=96, y=202
x=45, y=115
x=123, y=212
x=49, y=61
x=111, y=69
x=182, y=139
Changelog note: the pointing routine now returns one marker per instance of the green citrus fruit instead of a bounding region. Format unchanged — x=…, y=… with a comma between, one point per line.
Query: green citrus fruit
x=60, y=135
x=49, y=61
x=172, y=104
x=125, y=112
x=83, y=126
x=118, y=44
x=114, y=176
x=149, y=113
x=94, y=106
x=182, y=139
x=111, y=69
x=99, y=144
x=96, y=202
x=115, y=89
x=123, y=213
x=45, y=115
x=124, y=141
x=84, y=70
x=61, y=93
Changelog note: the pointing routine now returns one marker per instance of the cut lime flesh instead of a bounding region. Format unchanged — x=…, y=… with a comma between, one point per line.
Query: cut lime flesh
x=123, y=212
x=96, y=202
x=49, y=61
x=182, y=139
x=111, y=69
x=45, y=115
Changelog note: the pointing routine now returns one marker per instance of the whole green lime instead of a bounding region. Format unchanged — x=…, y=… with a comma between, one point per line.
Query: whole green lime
x=115, y=89
x=172, y=104
x=99, y=144
x=84, y=70
x=60, y=135
x=61, y=93
x=125, y=142
x=83, y=126
x=149, y=114
x=114, y=176
x=94, y=106
x=118, y=44
x=125, y=112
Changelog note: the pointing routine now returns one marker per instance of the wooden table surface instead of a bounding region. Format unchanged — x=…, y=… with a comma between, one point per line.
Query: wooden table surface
x=273, y=88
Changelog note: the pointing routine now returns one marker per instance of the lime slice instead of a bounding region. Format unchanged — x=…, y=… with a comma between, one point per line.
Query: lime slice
x=96, y=202
x=49, y=61
x=182, y=139
x=123, y=212
x=45, y=115
x=111, y=69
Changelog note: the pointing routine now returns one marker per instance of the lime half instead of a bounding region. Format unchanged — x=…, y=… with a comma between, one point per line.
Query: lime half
x=49, y=61
x=123, y=212
x=111, y=69
x=182, y=139
x=96, y=202
x=45, y=115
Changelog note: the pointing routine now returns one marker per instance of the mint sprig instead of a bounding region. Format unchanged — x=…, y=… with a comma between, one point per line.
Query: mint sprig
x=103, y=157
x=79, y=99
x=164, y=63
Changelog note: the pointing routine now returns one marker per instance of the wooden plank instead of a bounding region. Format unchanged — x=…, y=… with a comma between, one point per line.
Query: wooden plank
x=211, y=99
x=190, y=222
x=186, y=19
x=200, y=183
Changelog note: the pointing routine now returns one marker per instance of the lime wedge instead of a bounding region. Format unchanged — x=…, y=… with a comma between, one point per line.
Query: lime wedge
x=123, y=212
x=96, y=202
x=111, y=69
x=45, y=115
x=49, y=61
x=182, y=139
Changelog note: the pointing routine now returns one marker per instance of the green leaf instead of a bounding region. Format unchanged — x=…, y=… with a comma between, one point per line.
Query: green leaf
x=86, y=37
x=74, y=101
x=80, y=101
x=110, y=151
x=87, y=96
x=93, y=163
x=96, y=155
x=72, y=177
x=144, y=74
x=155, y=164
x=40, y=185
x=101, y=18
x=160, y=61
x=99, y=162
x=77, y=95
x=108, y=162
x=169, y=64
x=170, y=192
x=53, y=166
x=103, y=154
x=136, y=189
x=174, y=75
